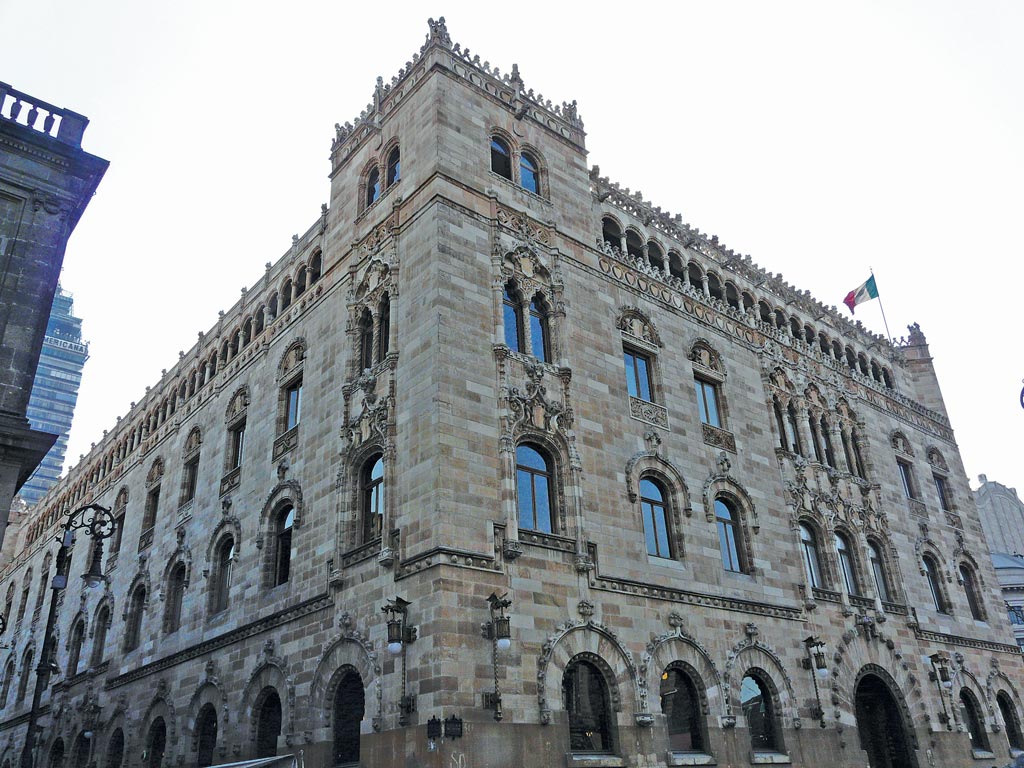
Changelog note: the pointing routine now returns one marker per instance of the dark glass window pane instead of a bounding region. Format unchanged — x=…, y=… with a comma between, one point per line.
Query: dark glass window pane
x=637, y=379
x=681, y=707
x=630, y=374
x=585, y=693
x=533, y=490
x=940, y=489
x=811, y=562
x=878, y=569
x=349, y=708
x=538, y=332
x=394, y=166
x=846, y=565
x=905, y=478
x=294, y=405
x=524, y=484
x=727, y=537
x=643, y=381
x=511, y=318
x=373, y=187
x=707, y=402
x=758, y=710
x=501, y=158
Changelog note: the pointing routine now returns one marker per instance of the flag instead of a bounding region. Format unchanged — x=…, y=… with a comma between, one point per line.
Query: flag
x=859, y=295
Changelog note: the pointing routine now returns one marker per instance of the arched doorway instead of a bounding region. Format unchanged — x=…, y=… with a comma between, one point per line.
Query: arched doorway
x=268, y=723
x=882, y=728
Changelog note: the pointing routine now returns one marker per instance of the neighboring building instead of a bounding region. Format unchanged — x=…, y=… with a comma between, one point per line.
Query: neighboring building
x=55, y=390
x=487, y=374
x=46, y=181
x=1002, y=519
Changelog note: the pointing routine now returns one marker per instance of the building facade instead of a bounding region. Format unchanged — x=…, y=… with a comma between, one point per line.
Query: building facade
x=51, y=406
x=725, y=525
x=1002, y=518
x=46, y=181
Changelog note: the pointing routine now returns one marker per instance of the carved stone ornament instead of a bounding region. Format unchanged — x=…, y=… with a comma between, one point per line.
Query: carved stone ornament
x=530, y=406
x=585, y=609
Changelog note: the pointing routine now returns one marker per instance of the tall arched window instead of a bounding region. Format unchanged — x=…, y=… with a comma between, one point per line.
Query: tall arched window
x=9, y=602
x=5, y=692
x=539, y=340
x=585, y=694
x=57, y=754
x=115, y=749
x=394, y=166
x=175, y=597
x=533, y=486
x=780, y=423
x=931, y=573
x=729, y=536
x=347, y=714
x=156, y=743
x=99, y=636
x=846, y=568
x=372, y=187
x=972, y=718
x=24, y=595
x=26, y=670
x=133, y=626
x=511, y=308
x=652, y=505
x=268, y=724
x=1010, y=720
x=759, y=711
x=878, y=571
x=75, y=647
x=826, y=441
x=44, y=578
x=365, y=340
x=529, y=174
x=792, y=430
x=812, y=563
x=682, y=708
x=81, y=749
x=501, y=158
x=283, y=544
x=371, y=491
x=206, y=735
x=970, y=582
x=383, y=327
x=222, y=579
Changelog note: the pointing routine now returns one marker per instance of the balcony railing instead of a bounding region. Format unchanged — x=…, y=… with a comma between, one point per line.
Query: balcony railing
x=61, y=124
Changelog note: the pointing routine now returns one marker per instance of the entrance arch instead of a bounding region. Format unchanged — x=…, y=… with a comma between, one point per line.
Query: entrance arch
x=882, y=724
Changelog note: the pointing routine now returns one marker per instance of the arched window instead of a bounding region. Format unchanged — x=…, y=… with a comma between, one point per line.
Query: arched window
x=372, y=187
x=24, y=595
x=44, y=577
x=611, y=232
x=780, y=423
x=268, y=724
x=539, y=340
x=371, y=491
x=99, y=636
x=80, y=752
x=57, y=754
x=115, y=749
x=792, y=430
x=156, y=744
x=533, y=486
x=652, y=505
x=759, y=711
x=501, y=158
x=682, y=708
x=5, y=692
x=286, y=298
x=826, y=441
x=394, y=166
x=133, y=625
x=858, y=460
x=283, y=544
x=529, y=174
x=931, y=572
x=634, y=244
x=383, y=327
x=75, y=647
x=1010, y=720
x=9, y=602
x=511, y=308
x=222, y=577
x=585, y=694
x=175, y=597
x=846, y=568
x=729, y=536
x=206, y=735
x=970, y=582
x=809, y=545
x=365, y=340
x=972, y=718
x=26, y=670
x=878, y=571
x=347, y=714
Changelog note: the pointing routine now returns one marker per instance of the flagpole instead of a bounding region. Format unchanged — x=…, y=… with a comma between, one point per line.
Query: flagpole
x=886, y=322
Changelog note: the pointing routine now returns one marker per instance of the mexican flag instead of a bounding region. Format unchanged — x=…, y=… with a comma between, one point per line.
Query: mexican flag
x=866, y=292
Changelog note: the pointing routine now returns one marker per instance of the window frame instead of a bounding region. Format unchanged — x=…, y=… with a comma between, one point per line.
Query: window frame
x=931, y=573
x=134, y=617
x=879, y=572
x=284, y=530
x=654, y=533
x=703, y=386
x=847, y=561
x=906, y=473
x=532, y=473
x=500, y=147
x=734, y=525
x=774, y=740
x=697, y=727
x=811, y=555
x=372, y=497
x=634, y=386
x=292, y=392
x=603, y=714
x=972, y=591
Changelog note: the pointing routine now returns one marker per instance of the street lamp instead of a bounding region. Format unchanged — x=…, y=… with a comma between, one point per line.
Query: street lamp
x=499, y=631
x=817, y=661
x=400, y=634
x=98, y=524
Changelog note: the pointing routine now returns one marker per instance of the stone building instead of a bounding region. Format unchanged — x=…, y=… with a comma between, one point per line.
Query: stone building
x=1002, y=518
x=486, y=384
x=46, y=181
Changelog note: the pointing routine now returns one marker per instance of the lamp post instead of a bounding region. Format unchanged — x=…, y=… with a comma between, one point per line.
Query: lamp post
x=499, y=631
x=400, y=634
x=940, y=675
x=98, y=524
x=817, y=661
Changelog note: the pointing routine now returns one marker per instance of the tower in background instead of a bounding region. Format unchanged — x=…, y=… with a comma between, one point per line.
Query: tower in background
x=51, y=407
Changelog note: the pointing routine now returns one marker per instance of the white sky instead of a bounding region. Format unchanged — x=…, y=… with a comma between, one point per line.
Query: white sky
x=821, y=138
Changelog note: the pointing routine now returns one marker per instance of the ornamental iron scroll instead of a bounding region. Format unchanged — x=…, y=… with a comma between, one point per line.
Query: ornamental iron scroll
x=601, y=633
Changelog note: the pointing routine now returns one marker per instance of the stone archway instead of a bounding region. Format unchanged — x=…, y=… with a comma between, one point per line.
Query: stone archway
x=882, y=724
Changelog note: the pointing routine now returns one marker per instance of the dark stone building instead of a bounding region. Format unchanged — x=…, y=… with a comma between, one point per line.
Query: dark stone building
x=46, y=181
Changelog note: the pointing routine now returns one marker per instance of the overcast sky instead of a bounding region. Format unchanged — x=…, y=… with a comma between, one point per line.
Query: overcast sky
x=820, y=138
